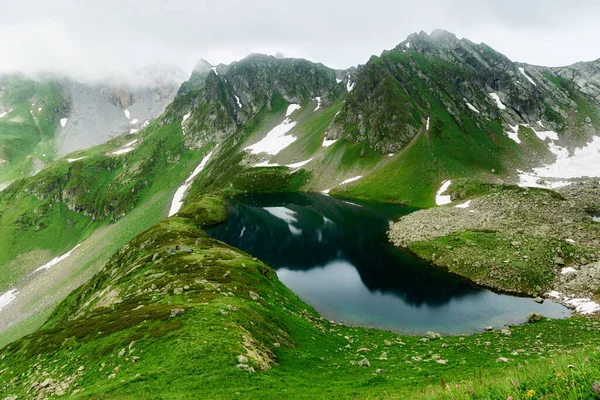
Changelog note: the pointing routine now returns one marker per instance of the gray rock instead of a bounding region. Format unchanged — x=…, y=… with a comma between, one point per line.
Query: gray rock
x=364, y=363
x=246, y=367
x=489, y=328
x=177, y=311
x=242, y=359
x=380, y=371
x=433, y=335
x=559, y=261
x=506, y=332
x=502, y=359
x=538, y=300
x=254, y=296
x=534, y=317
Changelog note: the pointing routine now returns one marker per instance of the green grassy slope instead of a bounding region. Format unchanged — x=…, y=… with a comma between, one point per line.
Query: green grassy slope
x=27, y=131
x=66, y=202
x=158, y=325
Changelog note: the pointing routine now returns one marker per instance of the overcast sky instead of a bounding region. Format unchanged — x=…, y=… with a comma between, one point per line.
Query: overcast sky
x=87, y=39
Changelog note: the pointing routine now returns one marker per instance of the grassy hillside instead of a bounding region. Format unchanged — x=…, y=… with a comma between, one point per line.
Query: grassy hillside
x=27, y=130
x=163, y=323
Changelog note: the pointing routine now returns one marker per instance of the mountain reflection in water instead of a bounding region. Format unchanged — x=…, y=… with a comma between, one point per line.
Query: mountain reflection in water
x=335, y=255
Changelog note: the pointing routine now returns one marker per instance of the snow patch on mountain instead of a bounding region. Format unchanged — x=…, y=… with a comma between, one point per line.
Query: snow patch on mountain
x=292, y=108
x=522, y=70
x=266, y=163
x=471, y=106
x=327, y=143
x=350, y=85
x=497, y=100
x=350, y=180
x=514, y=133
x=299, y=164
x=543, y=135
x=582, y=305
x=63, y=122
x=584, y=162
x=126, y=148
x=318, y=99
x=276, y=140
x=122, y=151
x=441, y=199
x=7, y=298
x=177, y=201
x=56, y=260
x=466, y=204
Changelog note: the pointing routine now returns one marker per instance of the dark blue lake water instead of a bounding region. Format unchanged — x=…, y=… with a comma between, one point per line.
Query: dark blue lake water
x=336, y=257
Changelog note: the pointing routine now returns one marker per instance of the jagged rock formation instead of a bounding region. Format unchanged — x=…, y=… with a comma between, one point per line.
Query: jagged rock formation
x=224, y=98
x=396, y=92
x=390, y=99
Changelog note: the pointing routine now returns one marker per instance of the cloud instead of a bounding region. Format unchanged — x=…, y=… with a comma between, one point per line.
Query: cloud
x=92, y=40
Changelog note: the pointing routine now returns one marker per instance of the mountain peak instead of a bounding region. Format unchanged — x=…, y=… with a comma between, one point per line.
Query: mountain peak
x=202, y=66
x=437, y=40
x=441, y=34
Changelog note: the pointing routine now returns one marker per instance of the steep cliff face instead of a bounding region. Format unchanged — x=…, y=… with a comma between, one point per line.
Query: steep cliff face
x=396, y=92
x=217, y=101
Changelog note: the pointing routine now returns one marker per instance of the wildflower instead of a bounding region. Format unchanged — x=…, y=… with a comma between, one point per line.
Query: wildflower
x=509, y=398
x=595, y=388
x=530, y=394
x=457, y=385
x=587, y=359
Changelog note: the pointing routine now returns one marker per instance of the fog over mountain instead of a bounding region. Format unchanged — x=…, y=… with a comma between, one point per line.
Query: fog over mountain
x=88, y=41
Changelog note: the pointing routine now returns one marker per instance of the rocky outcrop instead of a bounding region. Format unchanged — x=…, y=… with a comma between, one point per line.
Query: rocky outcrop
x=397, y=93
x=526, y=241
x=217, y=101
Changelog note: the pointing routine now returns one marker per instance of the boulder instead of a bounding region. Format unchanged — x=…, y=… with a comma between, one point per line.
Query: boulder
x=364, y=363
x=433, y=335
x=534, y=317
x=245, y=367
x=177, y=311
